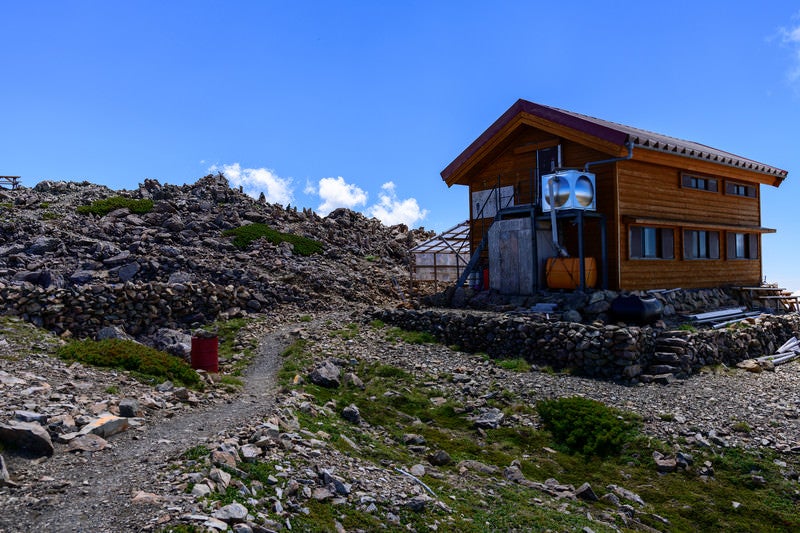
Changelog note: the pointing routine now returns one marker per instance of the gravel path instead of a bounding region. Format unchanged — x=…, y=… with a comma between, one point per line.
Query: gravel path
x=93, y=492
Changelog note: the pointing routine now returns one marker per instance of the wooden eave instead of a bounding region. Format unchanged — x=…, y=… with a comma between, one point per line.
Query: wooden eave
x=650, y=221
x=497, y=141
x=705, y=165
x=609, y=138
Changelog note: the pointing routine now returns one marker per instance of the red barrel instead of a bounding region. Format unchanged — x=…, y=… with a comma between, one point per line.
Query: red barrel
x=205, y=354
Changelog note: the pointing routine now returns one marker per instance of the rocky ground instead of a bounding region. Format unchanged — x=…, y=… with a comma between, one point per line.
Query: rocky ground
x=178, y=459
x=45, y=242
x=143, y=479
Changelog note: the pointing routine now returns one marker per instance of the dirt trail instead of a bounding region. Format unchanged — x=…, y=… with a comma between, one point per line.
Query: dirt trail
x=95, y=495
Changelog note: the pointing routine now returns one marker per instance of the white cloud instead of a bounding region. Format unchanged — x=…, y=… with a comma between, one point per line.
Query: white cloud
x=335, y=193
x=310, y=189
x=390, y=210
x=791, y=37
x=254, y=181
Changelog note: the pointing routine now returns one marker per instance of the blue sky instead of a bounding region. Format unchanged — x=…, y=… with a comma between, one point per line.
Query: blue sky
x=362, y=104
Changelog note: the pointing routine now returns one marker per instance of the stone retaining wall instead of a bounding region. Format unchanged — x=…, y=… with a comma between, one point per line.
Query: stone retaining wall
x=138, y=308
x=626, y=354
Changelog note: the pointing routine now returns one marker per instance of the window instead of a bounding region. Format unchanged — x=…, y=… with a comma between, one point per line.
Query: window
x=740, y=189
x=700, y=244
x=548, y=159
x=742, y=245
x=700, y=183
x=651, y=243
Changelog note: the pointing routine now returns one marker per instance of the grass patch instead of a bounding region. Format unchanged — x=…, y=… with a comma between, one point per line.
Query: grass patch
x=349, y=332
x=296, y=358
x=107, y=205
x=515, y=365
x=396, y=334
x=244, y=235
x=230, y=382
x=145, y=363
x=26, y=338
x=196, y=453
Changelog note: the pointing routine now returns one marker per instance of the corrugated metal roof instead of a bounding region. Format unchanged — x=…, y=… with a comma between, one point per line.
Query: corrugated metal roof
x=612, y=132
x=672, y=145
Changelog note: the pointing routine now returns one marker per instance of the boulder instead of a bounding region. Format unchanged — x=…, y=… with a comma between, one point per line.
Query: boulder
x=325, y=375
x=27, y=437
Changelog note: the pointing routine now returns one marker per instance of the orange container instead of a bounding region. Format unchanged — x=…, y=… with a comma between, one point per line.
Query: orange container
x=205, y=354
x=565, y=272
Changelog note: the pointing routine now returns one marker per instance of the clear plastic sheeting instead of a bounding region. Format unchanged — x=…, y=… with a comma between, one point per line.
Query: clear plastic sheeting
x=442, y=259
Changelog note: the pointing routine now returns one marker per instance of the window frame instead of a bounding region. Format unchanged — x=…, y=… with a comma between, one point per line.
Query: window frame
x=664, y=243
x=732, y=188
x=750, y=241
x=691, y=181
x=701, y=245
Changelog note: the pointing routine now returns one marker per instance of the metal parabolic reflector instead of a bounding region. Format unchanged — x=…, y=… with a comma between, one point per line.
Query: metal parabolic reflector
x=557, y=188
x=571, y=189
x=584, y=191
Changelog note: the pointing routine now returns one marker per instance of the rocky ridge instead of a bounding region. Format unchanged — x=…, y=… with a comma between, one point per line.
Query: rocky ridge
x=75, y=274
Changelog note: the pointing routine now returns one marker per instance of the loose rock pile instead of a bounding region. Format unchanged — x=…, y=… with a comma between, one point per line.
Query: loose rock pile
x=172, y=267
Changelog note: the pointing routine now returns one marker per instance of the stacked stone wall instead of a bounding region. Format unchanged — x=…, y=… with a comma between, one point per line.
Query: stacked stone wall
x=627, y=354
x=138, y=308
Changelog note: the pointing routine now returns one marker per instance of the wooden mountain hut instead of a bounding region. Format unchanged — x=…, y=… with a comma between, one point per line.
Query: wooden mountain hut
x=634, y=209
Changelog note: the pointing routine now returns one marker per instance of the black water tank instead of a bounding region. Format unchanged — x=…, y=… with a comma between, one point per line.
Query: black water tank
x=635, y=310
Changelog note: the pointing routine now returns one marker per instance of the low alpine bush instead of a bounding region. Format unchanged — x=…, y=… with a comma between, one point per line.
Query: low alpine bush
x=244, y=235
x=107, y=205
x=143, y=361
x=587, y=427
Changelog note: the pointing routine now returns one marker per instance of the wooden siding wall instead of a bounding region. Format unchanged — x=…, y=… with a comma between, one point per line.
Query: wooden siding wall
x=508, y=168
x=651, y=191
x=513, y=166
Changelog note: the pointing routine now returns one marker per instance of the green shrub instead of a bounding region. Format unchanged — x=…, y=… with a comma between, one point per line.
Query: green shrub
x=107, y=205
x=584, y=426
x=147, y=363
x=244, y=235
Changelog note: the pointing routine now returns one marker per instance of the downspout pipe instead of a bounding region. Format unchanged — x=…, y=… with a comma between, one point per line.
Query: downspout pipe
x=628, y=143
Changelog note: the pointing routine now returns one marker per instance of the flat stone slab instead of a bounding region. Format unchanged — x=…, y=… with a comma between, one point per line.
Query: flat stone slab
x=106, y=425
